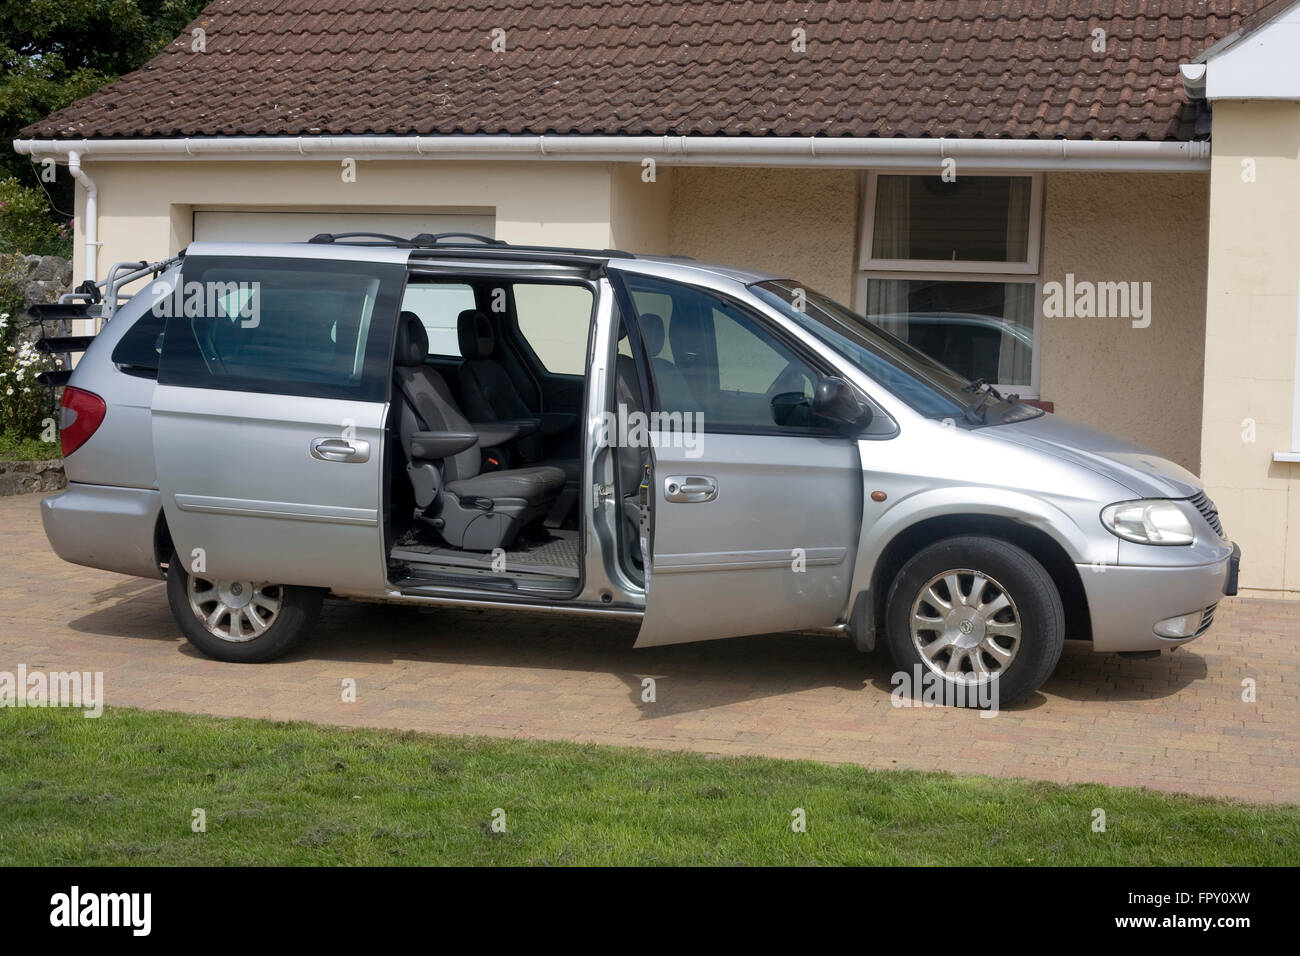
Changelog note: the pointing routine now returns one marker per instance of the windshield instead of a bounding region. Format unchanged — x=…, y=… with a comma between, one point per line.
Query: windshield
x=932, y=389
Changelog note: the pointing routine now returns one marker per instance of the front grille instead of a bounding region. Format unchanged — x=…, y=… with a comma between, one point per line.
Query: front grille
x=1201, y=501
x=1207, y=618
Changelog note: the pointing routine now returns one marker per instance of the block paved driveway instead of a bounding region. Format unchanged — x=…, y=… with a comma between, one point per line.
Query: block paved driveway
x=1176, y=723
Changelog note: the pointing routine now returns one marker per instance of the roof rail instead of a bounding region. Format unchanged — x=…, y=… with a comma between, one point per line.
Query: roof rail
x=380, y=239
x=432, y=239
x=447, y=242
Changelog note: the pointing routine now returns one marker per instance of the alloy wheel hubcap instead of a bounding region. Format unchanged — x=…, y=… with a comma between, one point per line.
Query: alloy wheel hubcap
x=234, y=611
x=965, y=626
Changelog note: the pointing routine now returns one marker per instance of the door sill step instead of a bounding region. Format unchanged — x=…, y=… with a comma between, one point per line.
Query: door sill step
x=416, y=580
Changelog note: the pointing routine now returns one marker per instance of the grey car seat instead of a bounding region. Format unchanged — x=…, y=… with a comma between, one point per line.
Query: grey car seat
x=471, y=510
x=674, y=394
x=692, y=369
x=489, y=394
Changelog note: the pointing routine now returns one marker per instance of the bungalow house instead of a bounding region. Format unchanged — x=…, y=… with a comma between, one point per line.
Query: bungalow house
x=1095, y=205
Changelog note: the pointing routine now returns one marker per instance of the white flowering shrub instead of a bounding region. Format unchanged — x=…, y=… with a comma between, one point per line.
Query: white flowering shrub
x=24, y=404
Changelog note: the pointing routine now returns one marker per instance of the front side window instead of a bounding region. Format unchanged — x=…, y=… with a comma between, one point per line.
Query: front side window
x=709, y=356
x=951, y=267
x=297, y=327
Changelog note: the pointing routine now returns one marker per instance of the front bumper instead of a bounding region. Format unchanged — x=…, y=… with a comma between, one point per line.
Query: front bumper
x=1126, y=602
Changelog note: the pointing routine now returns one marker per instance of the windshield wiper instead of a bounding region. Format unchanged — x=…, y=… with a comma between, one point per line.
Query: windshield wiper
x=975, y=410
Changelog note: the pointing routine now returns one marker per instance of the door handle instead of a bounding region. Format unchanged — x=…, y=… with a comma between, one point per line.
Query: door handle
x=690, y=488
x=340, y=449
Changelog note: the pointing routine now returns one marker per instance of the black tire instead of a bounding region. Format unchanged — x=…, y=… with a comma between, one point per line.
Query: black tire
x=1034, y=602
x=298, y=609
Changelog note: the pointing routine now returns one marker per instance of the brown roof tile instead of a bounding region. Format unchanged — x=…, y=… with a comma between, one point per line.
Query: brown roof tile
x=966, y=68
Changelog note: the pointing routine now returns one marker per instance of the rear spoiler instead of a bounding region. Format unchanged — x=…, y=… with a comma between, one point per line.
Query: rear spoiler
x=96, y=301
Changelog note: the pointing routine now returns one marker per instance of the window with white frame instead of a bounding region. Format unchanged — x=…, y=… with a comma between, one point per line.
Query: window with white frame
x=952, y=267
x=1293, y=454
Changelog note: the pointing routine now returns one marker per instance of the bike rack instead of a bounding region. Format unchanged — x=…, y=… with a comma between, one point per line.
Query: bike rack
x=96, y=301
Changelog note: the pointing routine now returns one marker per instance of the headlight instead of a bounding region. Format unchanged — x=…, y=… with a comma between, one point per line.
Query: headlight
x=1152, y=521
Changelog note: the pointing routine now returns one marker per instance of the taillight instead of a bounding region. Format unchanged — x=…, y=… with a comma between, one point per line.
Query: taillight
x=88, y=411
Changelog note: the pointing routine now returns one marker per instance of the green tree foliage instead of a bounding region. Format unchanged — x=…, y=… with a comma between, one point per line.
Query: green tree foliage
x=53, y=52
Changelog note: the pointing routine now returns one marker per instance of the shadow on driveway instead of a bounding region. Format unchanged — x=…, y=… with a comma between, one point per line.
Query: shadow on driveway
x=702, y=676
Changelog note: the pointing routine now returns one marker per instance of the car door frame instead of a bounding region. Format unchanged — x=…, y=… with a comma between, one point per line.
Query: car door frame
x=314, y=516
x=843, y=557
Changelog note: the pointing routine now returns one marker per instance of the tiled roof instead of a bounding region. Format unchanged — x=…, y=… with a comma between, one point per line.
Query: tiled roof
x=965, y=68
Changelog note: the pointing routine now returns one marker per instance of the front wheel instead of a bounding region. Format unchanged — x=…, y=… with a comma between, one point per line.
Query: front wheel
x=969, y=611
x=240, y=621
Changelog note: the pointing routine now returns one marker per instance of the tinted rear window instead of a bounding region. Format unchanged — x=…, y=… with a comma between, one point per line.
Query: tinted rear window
x=291, y=326
x=139, y=350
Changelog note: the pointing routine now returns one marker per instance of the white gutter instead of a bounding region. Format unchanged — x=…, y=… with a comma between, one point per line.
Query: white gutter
x=856, y=152
x=90, y=221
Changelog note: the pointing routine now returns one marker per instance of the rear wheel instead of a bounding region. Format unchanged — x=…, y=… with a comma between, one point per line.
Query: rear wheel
x=973, y=611
x=240, y=621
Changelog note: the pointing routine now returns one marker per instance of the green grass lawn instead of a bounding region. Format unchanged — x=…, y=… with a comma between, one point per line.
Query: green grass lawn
x=121, y=789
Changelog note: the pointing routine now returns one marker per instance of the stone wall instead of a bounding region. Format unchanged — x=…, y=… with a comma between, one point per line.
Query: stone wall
x=21, y=477
x=42, y=279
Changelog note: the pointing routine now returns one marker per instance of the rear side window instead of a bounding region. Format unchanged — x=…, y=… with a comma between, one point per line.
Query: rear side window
x=439, y=305
x=138, y=352
x=290, y=326
x=554, y=320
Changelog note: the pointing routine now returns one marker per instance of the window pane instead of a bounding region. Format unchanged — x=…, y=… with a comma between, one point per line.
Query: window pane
x=555, y=320
x=972, y=219
x=439, y=305
x=978, y=329
x=301, y=328
x=719, y=361
x=748, y=362
x=140, y=348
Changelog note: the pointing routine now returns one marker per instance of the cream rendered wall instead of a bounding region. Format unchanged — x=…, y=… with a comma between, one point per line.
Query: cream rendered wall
x=1254, y=267
x=145, y=208
x=1142, y=383
x=640, y=210
x=800, y=223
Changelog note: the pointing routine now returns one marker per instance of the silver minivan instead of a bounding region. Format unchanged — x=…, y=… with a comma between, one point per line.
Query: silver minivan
x=712, y=452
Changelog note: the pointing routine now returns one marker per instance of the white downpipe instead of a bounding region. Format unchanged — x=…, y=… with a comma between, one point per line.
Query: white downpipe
x=850, y=152
x=90, y=221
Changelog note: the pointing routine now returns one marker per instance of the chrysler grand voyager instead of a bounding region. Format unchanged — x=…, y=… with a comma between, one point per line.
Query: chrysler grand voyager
x=712, y=452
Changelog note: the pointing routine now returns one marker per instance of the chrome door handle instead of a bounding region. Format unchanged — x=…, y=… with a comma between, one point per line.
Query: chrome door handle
x=690, y=488
x=340, y=449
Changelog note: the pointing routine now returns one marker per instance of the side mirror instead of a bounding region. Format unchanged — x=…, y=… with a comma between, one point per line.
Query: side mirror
x=837, y=401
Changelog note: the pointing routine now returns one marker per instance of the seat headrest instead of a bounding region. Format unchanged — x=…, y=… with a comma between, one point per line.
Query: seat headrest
x=412, y=340
x=474, y=330
x=652, y=333
x=687, y=337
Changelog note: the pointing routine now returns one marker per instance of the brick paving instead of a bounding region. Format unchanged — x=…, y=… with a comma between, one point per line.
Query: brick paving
x=1176, y=723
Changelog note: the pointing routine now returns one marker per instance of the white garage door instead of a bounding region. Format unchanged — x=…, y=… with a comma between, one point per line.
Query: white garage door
x=247, y=226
